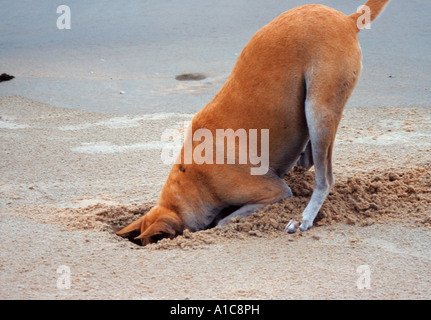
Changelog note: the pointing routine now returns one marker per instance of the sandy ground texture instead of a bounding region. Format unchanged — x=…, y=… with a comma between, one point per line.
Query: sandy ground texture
x=70, y=178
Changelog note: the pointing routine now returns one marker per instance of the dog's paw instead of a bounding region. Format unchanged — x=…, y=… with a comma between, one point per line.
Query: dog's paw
x=293, y=226
x=305, y=225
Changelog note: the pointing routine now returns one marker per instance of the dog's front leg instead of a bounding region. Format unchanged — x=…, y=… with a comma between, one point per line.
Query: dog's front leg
x=242, y=212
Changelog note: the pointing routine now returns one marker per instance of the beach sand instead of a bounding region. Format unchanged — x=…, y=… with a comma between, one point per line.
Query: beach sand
x=71, y=178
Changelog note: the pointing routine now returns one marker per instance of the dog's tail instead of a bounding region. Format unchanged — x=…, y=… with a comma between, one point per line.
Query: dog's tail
x=368, y=12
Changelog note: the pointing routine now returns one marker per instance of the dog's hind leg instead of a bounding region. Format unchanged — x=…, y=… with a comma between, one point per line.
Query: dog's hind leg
x=323, y=110
x=322, y=123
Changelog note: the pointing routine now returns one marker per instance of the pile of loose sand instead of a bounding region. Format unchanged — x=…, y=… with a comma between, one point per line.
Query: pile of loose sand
x=387, y=196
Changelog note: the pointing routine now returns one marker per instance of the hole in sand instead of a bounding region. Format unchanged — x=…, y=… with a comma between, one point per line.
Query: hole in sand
x=119, y=223
x=190, y=77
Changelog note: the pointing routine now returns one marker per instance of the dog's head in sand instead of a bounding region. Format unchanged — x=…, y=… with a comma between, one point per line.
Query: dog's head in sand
x=156, y=224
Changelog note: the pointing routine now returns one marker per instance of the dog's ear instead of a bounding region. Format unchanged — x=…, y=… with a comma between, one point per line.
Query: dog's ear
x=167, y=225
x=133, y=228
x=156, y=224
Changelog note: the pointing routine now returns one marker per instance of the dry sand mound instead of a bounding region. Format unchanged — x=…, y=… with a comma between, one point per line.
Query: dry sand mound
x=365, y=199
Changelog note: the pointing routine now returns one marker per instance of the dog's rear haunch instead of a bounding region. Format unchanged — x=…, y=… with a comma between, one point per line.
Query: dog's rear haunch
x=293, y=78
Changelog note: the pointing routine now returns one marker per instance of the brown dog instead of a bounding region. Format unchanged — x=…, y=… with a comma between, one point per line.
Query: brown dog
x=292, y=79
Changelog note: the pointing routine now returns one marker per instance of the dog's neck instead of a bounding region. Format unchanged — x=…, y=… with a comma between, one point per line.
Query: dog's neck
x=189, y=197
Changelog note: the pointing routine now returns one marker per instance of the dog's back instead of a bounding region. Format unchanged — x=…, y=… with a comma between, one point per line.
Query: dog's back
x=268, y=85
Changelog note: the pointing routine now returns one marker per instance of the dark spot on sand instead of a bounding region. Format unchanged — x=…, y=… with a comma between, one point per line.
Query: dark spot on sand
x=5, y=77
x=190, y=77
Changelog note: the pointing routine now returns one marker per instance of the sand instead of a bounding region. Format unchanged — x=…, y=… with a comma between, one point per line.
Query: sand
x=60, y=206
